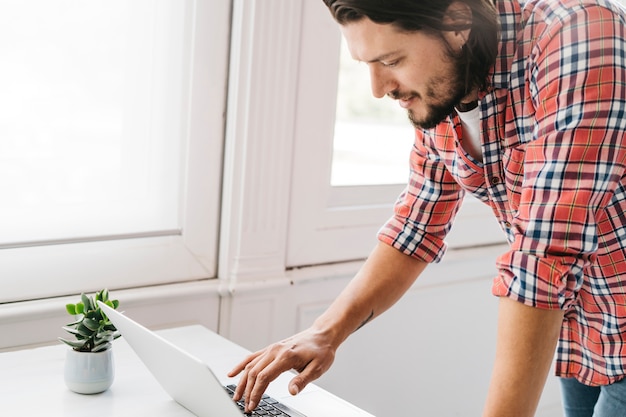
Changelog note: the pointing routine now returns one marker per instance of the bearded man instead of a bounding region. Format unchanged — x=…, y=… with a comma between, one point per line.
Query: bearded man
x=522, y=105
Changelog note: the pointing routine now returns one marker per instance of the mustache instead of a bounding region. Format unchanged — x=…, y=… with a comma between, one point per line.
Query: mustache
x=397, y=95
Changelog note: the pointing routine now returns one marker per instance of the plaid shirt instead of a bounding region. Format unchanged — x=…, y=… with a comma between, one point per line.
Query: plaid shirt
x=553, y=129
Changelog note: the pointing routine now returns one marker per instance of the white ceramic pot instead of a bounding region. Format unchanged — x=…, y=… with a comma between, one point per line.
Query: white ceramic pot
x=89, y=372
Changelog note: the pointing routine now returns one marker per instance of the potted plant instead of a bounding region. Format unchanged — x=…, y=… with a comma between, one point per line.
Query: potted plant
x=89, y=362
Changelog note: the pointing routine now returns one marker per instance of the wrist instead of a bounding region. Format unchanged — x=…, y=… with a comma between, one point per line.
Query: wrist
x=336, y=328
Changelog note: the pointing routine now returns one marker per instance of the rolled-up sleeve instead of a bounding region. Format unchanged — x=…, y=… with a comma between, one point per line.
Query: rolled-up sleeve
x=424, y=212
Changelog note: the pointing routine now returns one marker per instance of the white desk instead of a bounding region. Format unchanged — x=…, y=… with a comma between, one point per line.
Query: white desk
x=31, y=382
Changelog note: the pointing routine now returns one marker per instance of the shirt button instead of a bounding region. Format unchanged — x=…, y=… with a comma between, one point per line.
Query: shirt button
x=495, y=180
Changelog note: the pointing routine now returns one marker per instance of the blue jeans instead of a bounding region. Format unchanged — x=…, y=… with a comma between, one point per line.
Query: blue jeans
x=583, y=401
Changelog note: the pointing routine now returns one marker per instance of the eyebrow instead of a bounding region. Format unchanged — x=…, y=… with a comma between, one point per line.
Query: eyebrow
x=383, y=57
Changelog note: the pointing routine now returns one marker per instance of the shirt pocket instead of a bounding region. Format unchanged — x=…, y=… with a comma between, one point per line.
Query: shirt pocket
x=513, y=164
x=469, y=175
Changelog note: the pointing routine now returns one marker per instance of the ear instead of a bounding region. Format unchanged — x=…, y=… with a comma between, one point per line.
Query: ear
x=458, y=18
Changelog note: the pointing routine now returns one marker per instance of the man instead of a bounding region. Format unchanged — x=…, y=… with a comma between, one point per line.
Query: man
x=524, y=106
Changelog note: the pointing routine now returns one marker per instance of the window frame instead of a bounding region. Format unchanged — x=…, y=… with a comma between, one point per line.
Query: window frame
x=60, y=268
x=333, y=224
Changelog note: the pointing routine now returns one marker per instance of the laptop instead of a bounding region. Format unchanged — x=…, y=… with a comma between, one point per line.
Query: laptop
x=188, y=380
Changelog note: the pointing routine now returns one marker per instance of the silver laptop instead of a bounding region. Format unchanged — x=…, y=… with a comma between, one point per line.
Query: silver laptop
x=188, y=380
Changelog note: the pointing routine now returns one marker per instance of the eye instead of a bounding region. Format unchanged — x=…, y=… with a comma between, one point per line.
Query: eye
x=389, y=64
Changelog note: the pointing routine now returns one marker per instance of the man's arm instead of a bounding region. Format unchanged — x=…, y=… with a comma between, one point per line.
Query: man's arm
x=526, y=342
x=384, y=278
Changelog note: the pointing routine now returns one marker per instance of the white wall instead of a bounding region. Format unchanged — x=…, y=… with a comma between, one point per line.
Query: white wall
x=434, y=349
x=35, y=323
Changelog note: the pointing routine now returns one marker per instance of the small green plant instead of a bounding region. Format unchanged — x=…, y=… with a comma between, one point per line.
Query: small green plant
x=93, y=330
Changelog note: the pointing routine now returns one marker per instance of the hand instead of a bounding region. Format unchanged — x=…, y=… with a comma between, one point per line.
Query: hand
x=309, y=353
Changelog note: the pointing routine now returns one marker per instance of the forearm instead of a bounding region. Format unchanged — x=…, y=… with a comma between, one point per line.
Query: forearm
x=526, y=343
x=384, y=278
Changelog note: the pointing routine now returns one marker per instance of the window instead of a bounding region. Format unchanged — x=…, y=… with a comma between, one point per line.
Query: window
x=111, y=119
x=372, y=137
x=335, y=216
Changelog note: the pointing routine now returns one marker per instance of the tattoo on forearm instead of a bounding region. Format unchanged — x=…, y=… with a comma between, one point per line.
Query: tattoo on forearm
x=365, y=321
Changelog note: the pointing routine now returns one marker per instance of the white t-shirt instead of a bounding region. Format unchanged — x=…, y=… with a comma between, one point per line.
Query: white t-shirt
x=470, y=122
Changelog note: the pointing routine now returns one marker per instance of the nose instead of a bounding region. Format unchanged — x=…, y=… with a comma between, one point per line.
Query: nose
x=381, y=81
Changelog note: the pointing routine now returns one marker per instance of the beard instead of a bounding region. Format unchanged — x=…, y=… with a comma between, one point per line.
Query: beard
x=442, y=99
x=437, y=113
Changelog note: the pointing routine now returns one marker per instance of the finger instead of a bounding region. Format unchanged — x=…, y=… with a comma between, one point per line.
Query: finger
x=276, y=360
x=242, y=365
x=312, y=371
x=259, y=377
x=250, y=361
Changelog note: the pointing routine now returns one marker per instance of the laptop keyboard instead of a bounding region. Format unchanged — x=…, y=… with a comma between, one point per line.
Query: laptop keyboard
x=268, y=407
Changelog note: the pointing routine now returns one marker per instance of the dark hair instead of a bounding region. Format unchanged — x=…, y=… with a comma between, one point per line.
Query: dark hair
x=480, y=49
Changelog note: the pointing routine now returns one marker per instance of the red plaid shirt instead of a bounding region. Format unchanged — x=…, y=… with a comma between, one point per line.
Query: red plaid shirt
x=553, y=129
